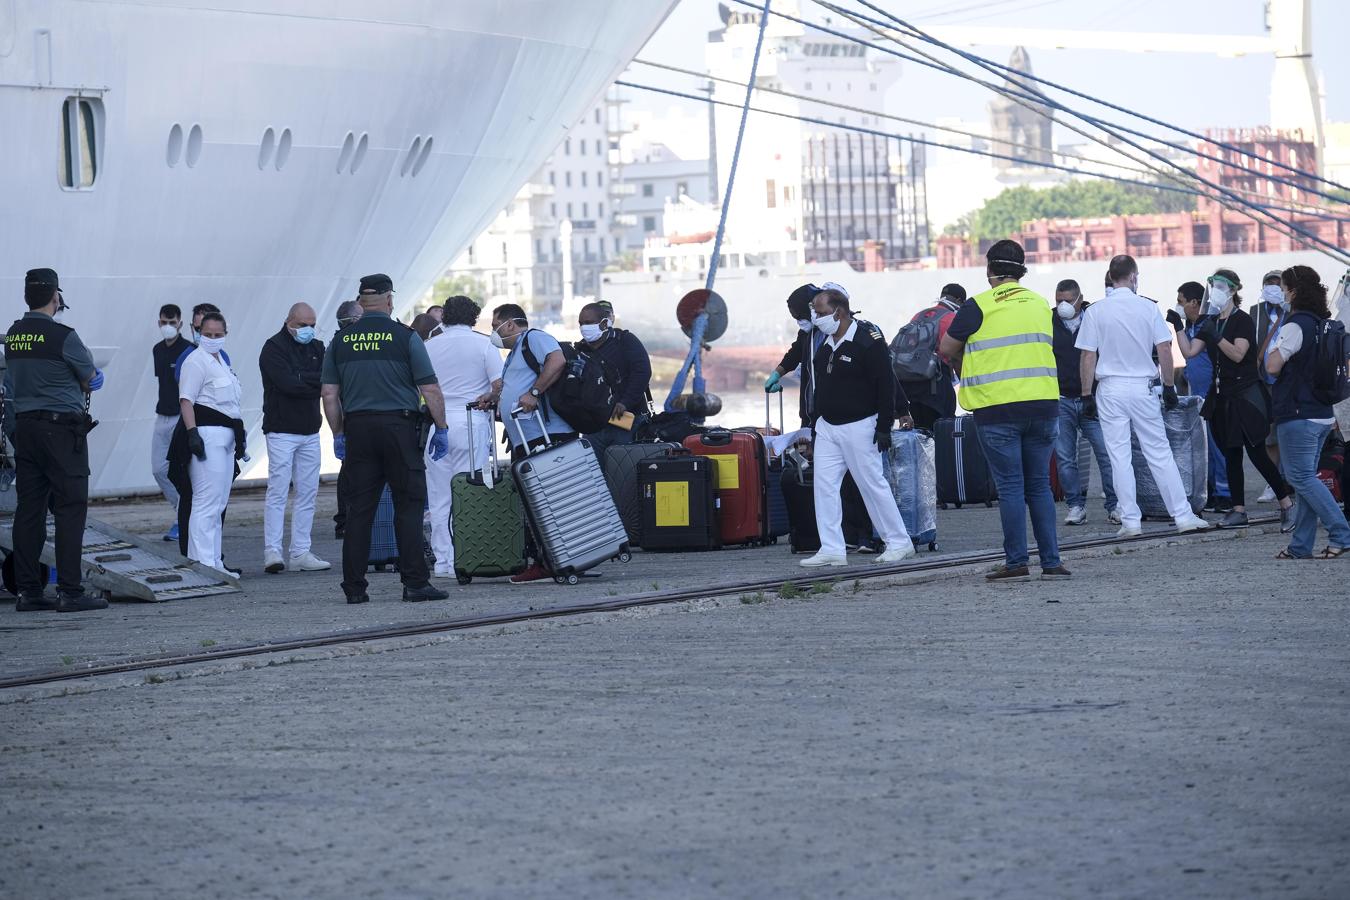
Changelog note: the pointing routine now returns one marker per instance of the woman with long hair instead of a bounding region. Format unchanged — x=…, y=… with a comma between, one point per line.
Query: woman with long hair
x=1238, y=405
x=1303, y=417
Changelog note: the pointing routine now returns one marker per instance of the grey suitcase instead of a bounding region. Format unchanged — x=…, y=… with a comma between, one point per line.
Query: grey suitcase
x=569, y=506
x=1190, y=447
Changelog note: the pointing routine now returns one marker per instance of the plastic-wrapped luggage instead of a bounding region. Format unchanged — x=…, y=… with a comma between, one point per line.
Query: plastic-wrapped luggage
x=621, y=471
x=569, y=506
x=741, y=494
x=911, y=471
x=678, y=502
x=963, y=474
x=488, y=529
x=1190, y=447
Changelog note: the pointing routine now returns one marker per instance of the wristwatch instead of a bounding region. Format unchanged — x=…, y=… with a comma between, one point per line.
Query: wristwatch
x=534, y=392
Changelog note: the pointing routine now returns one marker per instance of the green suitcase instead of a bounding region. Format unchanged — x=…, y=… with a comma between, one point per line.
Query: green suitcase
x=488, y=524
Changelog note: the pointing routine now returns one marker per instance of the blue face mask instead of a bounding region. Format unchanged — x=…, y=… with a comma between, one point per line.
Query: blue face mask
x=304, y=334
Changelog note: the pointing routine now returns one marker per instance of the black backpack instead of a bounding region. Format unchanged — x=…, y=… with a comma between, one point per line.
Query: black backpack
x=583, y=396
x=1330, y=381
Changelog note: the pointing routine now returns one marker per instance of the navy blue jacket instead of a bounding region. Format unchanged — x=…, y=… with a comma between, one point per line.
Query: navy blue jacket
x=1292, y=395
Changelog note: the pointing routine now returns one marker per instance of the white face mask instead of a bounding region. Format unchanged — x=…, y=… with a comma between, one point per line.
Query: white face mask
x=211, y=344
x=1220, y=298
x=827, y=323
x=591, y=333
x=1065, y=309
x=803, y=324
x=168, y=332
x=496, y=338
x=1274, y=294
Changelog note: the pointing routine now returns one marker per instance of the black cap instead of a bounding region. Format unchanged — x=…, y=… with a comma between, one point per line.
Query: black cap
x=376, y=284
x=1006, y=251
x=42, y=278
x=799, y=301
x=954, y=291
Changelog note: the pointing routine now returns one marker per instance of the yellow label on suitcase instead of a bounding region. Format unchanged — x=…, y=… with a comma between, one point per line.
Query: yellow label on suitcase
x=728, y=470
x=672, y=504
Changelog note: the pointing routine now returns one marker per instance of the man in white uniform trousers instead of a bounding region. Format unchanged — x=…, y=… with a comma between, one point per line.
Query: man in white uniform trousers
x=1118, y=337
x=291, y=363
x=469, y=370
x=208, y=397
x=856, y=400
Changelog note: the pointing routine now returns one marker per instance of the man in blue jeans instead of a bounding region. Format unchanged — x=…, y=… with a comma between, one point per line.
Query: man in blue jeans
x=1001, y=343
x=1186, y=321
x=1069, y=308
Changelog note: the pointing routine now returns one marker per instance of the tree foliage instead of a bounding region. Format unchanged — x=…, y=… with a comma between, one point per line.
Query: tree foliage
x=465, y=285
x=1010, y=210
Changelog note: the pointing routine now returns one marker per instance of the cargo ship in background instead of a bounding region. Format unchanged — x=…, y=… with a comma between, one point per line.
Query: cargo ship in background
x=255, y=153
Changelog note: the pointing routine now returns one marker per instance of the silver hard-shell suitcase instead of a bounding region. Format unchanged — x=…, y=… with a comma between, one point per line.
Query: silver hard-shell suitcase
x=569, y=506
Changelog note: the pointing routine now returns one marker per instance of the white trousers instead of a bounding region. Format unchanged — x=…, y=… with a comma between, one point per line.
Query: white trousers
x=850, y=448
x=440, y=472
x=211, y=480
x=159, y=457
x=1128, y=403
x=291, y=459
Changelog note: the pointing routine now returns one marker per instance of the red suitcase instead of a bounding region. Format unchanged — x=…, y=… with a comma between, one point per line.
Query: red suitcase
x=742, y=497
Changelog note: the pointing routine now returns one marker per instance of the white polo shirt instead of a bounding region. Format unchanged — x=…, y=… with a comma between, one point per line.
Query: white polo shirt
x=1123, y=328
x=465, y=362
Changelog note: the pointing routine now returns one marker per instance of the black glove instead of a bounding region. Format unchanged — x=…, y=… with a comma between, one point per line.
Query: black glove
x=1174, y=319
x=883, y=439
x=1089, y=410
x=195, y=445
x=1209, y=333
x=1170, y=397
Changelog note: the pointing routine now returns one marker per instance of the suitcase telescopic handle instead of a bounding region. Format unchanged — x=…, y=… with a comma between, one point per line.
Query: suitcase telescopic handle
x=768, y=424
x=520, y=431
x=469, y=409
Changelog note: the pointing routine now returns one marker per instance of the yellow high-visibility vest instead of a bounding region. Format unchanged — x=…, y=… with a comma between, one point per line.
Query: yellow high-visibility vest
x=1011, y=358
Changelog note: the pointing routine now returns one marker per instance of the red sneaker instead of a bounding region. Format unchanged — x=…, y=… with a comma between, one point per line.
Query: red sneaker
x=535, y=572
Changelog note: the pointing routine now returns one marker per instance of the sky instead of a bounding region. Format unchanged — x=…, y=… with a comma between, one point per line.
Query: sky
x=1191, y=90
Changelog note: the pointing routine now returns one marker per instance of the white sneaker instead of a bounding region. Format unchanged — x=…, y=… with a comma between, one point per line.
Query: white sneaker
x=1113, y=517
x=443, y=570
x=1191, y=523
x=1129, y=531
x=308, y=562
x=1267, y=496
x=821, y=559
x=273, y=563
x=1077, y=516
x=903, y=552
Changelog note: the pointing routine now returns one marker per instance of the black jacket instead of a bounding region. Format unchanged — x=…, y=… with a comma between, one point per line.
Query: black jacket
x=857, y=381
x=1067, y=357
x=291, y=384
x=800, y=352
x=628, y=366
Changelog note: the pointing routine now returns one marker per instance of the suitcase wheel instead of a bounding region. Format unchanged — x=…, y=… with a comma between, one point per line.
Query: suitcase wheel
x=463, y=578
x=567, y=579
x=989, y=504
x=942, y=506
x=932, y=546
x=624, y=556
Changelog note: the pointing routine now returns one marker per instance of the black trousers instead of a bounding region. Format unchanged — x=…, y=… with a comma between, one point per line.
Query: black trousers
x=382, y=449
x=340, y=517
x=1232, y=456
x=51, y=462
x=925, y=417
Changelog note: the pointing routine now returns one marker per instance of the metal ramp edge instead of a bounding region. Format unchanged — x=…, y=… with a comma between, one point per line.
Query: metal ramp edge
x=120, y=564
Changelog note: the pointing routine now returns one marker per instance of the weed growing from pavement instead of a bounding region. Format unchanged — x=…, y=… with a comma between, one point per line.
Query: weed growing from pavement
x=857, y=585
x=757, y=597
x=822, y=587
x=67, y=660
x=788, y=590
x=207, y=642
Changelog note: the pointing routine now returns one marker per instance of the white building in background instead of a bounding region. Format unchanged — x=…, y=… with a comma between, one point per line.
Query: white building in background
x=810, y=192
x=557, y=234
x=654, y=177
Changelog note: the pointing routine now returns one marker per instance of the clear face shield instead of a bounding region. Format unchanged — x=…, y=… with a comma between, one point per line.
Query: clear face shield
x=1339, y=301
x=1218, y=294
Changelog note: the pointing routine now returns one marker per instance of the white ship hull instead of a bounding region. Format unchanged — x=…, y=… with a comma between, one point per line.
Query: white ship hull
x=493, y=85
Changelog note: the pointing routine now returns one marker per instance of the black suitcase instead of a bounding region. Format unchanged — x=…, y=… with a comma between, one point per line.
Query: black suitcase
x=621, y=473
x=678, y=500
x=797, y=488
x=963, y=474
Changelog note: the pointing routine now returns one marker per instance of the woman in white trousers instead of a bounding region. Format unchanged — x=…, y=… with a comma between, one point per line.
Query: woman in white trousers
x=208, y=394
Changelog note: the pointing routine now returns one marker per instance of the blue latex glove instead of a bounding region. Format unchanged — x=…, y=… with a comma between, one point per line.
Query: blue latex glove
x=440, y=443
x=771, y=385
x=340, y=446
x=97, y=381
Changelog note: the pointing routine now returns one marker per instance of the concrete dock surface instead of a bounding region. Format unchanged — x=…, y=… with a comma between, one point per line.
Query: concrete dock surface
x=1171, y=722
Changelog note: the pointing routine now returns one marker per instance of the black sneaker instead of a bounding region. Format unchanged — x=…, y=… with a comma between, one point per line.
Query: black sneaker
x=1234, y=520
x=38, y=602
x=358, y=598
x=425, y=592
x=1221, y=504
x=237, y=573
x=1055, y=573
x=1004, y=574
x=79, y=602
